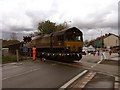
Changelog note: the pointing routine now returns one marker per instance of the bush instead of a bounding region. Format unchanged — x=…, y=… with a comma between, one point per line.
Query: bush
x=9, y=58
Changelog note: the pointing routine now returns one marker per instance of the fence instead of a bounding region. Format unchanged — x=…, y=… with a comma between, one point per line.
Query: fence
x=15, y=55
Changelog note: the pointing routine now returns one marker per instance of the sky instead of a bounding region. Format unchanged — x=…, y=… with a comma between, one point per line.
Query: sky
x=93, y=17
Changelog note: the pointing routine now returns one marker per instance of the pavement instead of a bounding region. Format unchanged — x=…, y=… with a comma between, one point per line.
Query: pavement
x=113, y=55
x=101, y=81
x=106, y=70
x=96, y=58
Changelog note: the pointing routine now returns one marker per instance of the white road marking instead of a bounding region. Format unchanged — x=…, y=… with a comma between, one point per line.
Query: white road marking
x=21, y=73
x=116, y=84
x=72, y=80
x=116, y=79
x=97, y=63
x=86, y=80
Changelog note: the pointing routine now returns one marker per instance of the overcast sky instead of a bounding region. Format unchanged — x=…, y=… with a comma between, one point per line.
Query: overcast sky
x=91, y=16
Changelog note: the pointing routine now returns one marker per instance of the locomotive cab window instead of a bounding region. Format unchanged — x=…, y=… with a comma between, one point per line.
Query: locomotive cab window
x=73, y=38
x=73, y=35
x=78, y=38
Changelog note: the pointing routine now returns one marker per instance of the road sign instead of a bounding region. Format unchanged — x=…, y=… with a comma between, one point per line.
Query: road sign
x=98, y=43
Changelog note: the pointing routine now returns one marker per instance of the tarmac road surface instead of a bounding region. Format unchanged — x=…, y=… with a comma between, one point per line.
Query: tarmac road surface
x=52, y=74
x=37, y=74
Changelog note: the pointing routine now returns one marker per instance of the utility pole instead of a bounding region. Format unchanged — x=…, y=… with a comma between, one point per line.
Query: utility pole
x=101, y=41
x=119, y=46
x=26, y=39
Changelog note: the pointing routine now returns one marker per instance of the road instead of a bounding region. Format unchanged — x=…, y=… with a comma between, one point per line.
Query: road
x=29, y=74
x=53, y=74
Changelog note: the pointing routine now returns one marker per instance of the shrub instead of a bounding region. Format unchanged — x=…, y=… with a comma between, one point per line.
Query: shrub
x=9, y=58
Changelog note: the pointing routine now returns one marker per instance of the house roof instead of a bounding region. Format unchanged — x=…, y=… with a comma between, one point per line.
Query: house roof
x=106, y=35
x=14, y=44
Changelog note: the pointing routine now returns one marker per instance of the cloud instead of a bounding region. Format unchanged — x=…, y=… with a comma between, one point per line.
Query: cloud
x=6, y=35
x=104, y=18
x=22, y=16
x=24, y=13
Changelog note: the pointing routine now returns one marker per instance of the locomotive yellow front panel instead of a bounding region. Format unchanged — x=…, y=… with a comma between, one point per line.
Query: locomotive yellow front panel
x=73, y=46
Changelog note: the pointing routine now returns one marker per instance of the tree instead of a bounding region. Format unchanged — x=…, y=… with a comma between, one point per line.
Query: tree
x=13, y=36
x=9, y=42
x=86, y=42
x=61, y=26
x=48, y=27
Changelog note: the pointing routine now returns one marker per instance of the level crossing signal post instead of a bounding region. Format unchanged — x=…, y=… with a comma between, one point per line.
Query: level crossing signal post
x=26, y=39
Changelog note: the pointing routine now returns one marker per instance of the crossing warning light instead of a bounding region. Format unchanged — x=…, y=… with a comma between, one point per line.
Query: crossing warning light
x=27, y=38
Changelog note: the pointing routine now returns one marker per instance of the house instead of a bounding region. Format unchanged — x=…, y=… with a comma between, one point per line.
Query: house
x=107, y=40
x=111, y=40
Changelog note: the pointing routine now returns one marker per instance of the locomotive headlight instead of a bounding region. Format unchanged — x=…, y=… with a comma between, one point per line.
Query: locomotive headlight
x=60, y=54
x=67, y=48
x=68, y=54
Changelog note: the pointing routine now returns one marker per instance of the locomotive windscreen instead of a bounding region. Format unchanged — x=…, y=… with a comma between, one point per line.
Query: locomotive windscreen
x=73, y=35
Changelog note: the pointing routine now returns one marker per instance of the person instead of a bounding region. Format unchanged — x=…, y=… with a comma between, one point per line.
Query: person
x=94, y=53
x=98, y=52
x=101, y=54
x=110, y=52
x=34, y=53
x=43, y=59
